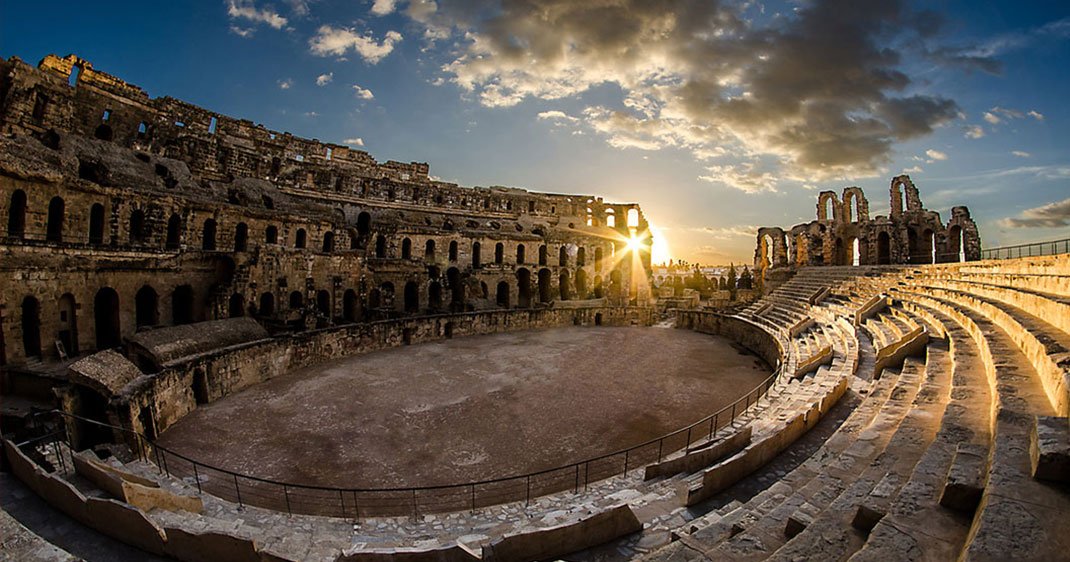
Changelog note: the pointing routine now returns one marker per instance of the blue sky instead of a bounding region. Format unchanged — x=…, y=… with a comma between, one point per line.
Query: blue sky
x=716, y=116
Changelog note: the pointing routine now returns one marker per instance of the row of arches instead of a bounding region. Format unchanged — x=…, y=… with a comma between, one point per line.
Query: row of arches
x=519, y=254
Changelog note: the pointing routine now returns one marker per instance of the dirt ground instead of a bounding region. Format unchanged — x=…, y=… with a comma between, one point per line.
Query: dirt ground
x=469, y=408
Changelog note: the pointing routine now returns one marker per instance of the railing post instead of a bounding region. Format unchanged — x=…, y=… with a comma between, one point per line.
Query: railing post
x=159, y=465
x=197, y=478
x=237, y=490
x=342, y=500
x=166, y=471
x=415, y=508
x=687, y=447
x=286, y=493
x=661, y=444
x=527, y=498
x=626, y=462
x=473, y=498
x=576, y=488
x=586, y=474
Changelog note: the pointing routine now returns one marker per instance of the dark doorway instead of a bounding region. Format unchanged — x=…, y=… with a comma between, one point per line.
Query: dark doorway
x=502, y=294
x=412, y=297
x=55, y=220
x=884, y=248
x=523, y=288
x=236, y=306
x=544, y=285
x=106, y=314
x=182, y=305
x=96, y=224
x=31, y=327
x=145, y=303
x=16, y=214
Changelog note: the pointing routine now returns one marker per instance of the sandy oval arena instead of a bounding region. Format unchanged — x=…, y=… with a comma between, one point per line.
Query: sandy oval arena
x=469, y=408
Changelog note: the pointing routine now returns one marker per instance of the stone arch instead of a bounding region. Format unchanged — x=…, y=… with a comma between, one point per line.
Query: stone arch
x=16, y=214
x=564, y=286
x=31, y=326
x=855, y=205
x=499, y=253
x=67, y=327
x=520, y=254
x=364, y=223
x=138, y=231
x=599, y=290
x=429, y=251
x=501, y=294
x=297, y=300
x=96, y=224
x=267, y=305
x=476, y=257
x=598, y=259
x=772, y=248
x=457, y=296
x=406, y=249
x=54, y=226
x=146, y=307
x=106, y=315
x=323, y=302
x=241, y=237
x=271, y=234
x=543, y=255
x=412, y=297
x=380, y=246
x=328, y=242
x=453, y=251
x=300, y=238
x=828, y=207
x=236, y=306
x=208, y=235
x=182, y=305
x=884, y=248
x=544, y=285
x=523, y=283
x=434, y=296
x=581, y=284
x=562, y=257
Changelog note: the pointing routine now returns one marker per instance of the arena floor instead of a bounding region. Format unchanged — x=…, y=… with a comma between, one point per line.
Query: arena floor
x=469, y=408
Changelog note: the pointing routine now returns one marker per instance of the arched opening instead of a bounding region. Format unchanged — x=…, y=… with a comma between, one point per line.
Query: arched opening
x=543, y=254
x=380, y=246
x=106, y=314
x=328, y=242
x=484, y=292
x=913, y=247
x=562, y=257
x=300, y=238
x=241, y=237
x=364, y=223
x=476, y=257
x=856, y=254
x=236, y=306
x=839, y=253
x=599, y=290
x=266, y=309
x=182, y=305
x=137, y=227
x=103, y=132
x=447, y=330
x=499, y=253
x=434, y=296
x=581, y=284
x=544, y=285
x=96, y=224
x=67, y=329
x=146, y=307
x=611, y=218
x=829, y=208
x=523, y=283
x=501, y=294
x=374, y=301
x=16, y=214
x=767, y=251
x=31, y=327
x=453, y=251
x=564, y=286
x=199, y=386
x=350, y=308
x=429, y=251
x=598, y=259
x=884, y=248
x=323, y=302
x=297, y=300
x=54, y=228
x=174, y=232
x=802, y=254
x=598, y=319
x=271, y=235
x=519, y=254
x=581, y=257
x=615, y=284
x=208, y=235
x=386, y=294
x=412, y=297
x=453, y=279
x=633, y=218
x=406, y=249
x=929, y=240
x=956, y=249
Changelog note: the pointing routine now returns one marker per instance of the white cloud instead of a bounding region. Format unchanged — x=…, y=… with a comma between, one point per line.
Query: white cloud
x=556, y=115
x=243, y=32
x=1021, y=153
x=992, y=118
x=1036, y=115
x=742, y=177
x=311, y=114
x=362, y=93
x=324, y=79
x=383, y=7
x=975, y=132
x=934, y=154
x=357, y=141
x=913, y=170
x=285, y=84
x=246, y=9
x=1052, y=215
x=338, y=40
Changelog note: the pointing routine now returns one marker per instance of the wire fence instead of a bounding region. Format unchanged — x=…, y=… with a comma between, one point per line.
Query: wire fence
x=357, y=503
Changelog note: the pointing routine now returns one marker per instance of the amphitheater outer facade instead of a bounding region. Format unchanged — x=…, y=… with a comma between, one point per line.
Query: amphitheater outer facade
x=158, y=256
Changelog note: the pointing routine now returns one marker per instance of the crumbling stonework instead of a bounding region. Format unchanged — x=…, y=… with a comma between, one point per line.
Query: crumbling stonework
x=845, y=234
x=123, y=212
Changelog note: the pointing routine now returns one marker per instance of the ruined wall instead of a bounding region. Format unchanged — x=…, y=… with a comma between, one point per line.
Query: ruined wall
x=122, y=212
x=845, y=234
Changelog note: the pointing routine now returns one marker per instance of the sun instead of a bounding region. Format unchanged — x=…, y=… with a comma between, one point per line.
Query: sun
x=659, y=249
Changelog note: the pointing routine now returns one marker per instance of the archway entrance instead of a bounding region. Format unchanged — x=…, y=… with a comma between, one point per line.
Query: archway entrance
x=106, y=314
x=31, y=327
x=884, y=248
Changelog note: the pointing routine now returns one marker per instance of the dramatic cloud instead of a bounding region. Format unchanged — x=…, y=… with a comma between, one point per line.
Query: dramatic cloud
x=285, y=84
x=383, y=7
x=338, y=40
x=246, y=9
x=324, y=79
x=362, y=93
x=819, y=92
x=934, y=154
x=354, y=141
x=1052, y=215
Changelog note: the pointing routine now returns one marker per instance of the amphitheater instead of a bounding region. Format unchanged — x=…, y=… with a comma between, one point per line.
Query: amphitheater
x=222, y=342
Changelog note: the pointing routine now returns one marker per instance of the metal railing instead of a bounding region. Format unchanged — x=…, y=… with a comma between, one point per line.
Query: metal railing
x=1027, y=250
x=356, y=503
